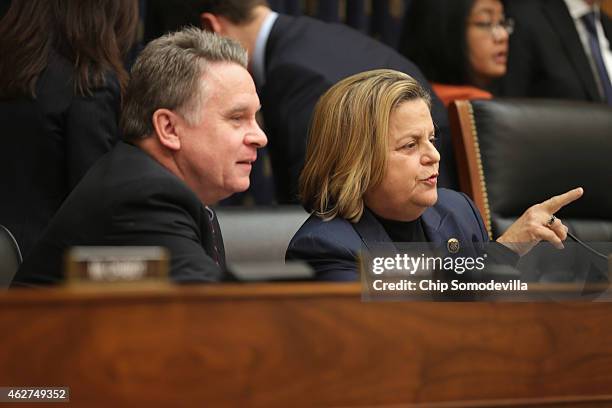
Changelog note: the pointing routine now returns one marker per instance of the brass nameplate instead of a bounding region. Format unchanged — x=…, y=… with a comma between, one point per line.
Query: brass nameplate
x=95, y=265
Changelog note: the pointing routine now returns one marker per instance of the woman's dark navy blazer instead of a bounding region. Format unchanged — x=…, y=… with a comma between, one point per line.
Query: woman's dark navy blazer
x=331, y=247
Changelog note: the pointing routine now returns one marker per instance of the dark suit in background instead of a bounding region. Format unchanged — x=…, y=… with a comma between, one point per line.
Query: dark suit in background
x=304, y=57
x=128, y=198
x=331, y=247
x=546, y=57
x=48, y=144
x=4, y=6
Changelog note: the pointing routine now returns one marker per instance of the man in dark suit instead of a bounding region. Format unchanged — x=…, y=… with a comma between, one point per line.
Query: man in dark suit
x=190, y=138
x=554, y=52
x=294, y=61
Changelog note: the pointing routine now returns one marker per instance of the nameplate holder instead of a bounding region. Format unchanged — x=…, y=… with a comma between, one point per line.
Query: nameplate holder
x=89, y=265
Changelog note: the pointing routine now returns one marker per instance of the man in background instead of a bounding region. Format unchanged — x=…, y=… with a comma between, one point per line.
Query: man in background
x=190, y=138
x=294, y=60
x=559, y=49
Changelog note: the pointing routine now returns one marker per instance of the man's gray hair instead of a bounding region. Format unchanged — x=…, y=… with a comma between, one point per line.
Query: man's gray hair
x=168, y=73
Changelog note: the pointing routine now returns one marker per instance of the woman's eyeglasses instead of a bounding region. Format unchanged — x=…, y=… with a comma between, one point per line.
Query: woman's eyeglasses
x=495, y=28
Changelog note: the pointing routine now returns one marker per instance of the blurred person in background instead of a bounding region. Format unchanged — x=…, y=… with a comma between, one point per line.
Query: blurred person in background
x=4, y=5
x=460, y=45
x=61, y=78
x=561, y=49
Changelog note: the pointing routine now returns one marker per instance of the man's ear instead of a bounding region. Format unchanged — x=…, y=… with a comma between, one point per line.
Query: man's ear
x=210, y=22
x=167, y=125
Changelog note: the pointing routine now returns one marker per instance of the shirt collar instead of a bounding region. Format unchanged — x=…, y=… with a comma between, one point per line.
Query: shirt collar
x=258, y=63
x=578, y=8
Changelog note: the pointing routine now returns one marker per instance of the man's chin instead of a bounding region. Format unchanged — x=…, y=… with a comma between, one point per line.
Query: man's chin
x=242, y=186
x=234, y=189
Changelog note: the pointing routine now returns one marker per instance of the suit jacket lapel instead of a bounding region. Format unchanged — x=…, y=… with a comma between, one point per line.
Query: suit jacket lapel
x=563, y=24
x=276, y=33
x=372, y=234
x=439, y=229
x=432, y=221
x=606, y=23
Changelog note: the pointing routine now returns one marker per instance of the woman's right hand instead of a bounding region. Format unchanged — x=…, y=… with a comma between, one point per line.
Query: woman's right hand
x=539, y=224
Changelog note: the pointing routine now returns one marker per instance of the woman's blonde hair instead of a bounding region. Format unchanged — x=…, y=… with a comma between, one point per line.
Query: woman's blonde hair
x=348, y=140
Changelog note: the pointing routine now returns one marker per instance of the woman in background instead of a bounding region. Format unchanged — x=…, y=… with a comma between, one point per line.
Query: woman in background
x=61, y=78
x=460, y=45
x=370, y=177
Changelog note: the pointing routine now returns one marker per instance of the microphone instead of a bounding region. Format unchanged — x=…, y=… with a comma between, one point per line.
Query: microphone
x=587, y=247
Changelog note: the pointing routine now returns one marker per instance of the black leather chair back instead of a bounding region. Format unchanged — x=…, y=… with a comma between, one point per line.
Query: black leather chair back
x=10, y=257
x=529, y=150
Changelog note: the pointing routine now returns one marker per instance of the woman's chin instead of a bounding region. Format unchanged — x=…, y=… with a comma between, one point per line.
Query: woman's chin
x=427, y=198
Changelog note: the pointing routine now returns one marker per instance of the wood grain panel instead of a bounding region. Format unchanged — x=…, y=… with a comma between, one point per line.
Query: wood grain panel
x=303, y=345
x=606, y=5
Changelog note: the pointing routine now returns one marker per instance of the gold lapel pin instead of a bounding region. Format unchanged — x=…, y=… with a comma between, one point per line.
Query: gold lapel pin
x=453, y=245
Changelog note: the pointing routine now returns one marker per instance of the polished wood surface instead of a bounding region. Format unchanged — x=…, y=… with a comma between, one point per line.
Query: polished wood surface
x=302, y=345
x=606, y=6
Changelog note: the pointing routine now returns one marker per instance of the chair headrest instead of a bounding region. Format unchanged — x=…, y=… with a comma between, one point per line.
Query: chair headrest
x=533, y=149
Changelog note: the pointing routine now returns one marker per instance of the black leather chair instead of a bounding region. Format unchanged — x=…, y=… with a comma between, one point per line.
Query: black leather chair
x=514, y=153
x=10, y=257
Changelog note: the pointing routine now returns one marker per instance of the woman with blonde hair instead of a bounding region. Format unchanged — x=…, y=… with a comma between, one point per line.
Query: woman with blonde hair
x=370, y=176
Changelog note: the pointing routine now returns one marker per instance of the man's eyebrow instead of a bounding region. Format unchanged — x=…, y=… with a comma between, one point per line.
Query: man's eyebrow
x=236, y=109
x=239, y=109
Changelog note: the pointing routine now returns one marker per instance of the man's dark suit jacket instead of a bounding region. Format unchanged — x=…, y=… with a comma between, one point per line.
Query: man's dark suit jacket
x=331, y=247
x=546, y=57
x=304, y=57
x=48, y=144
x=128, y=198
